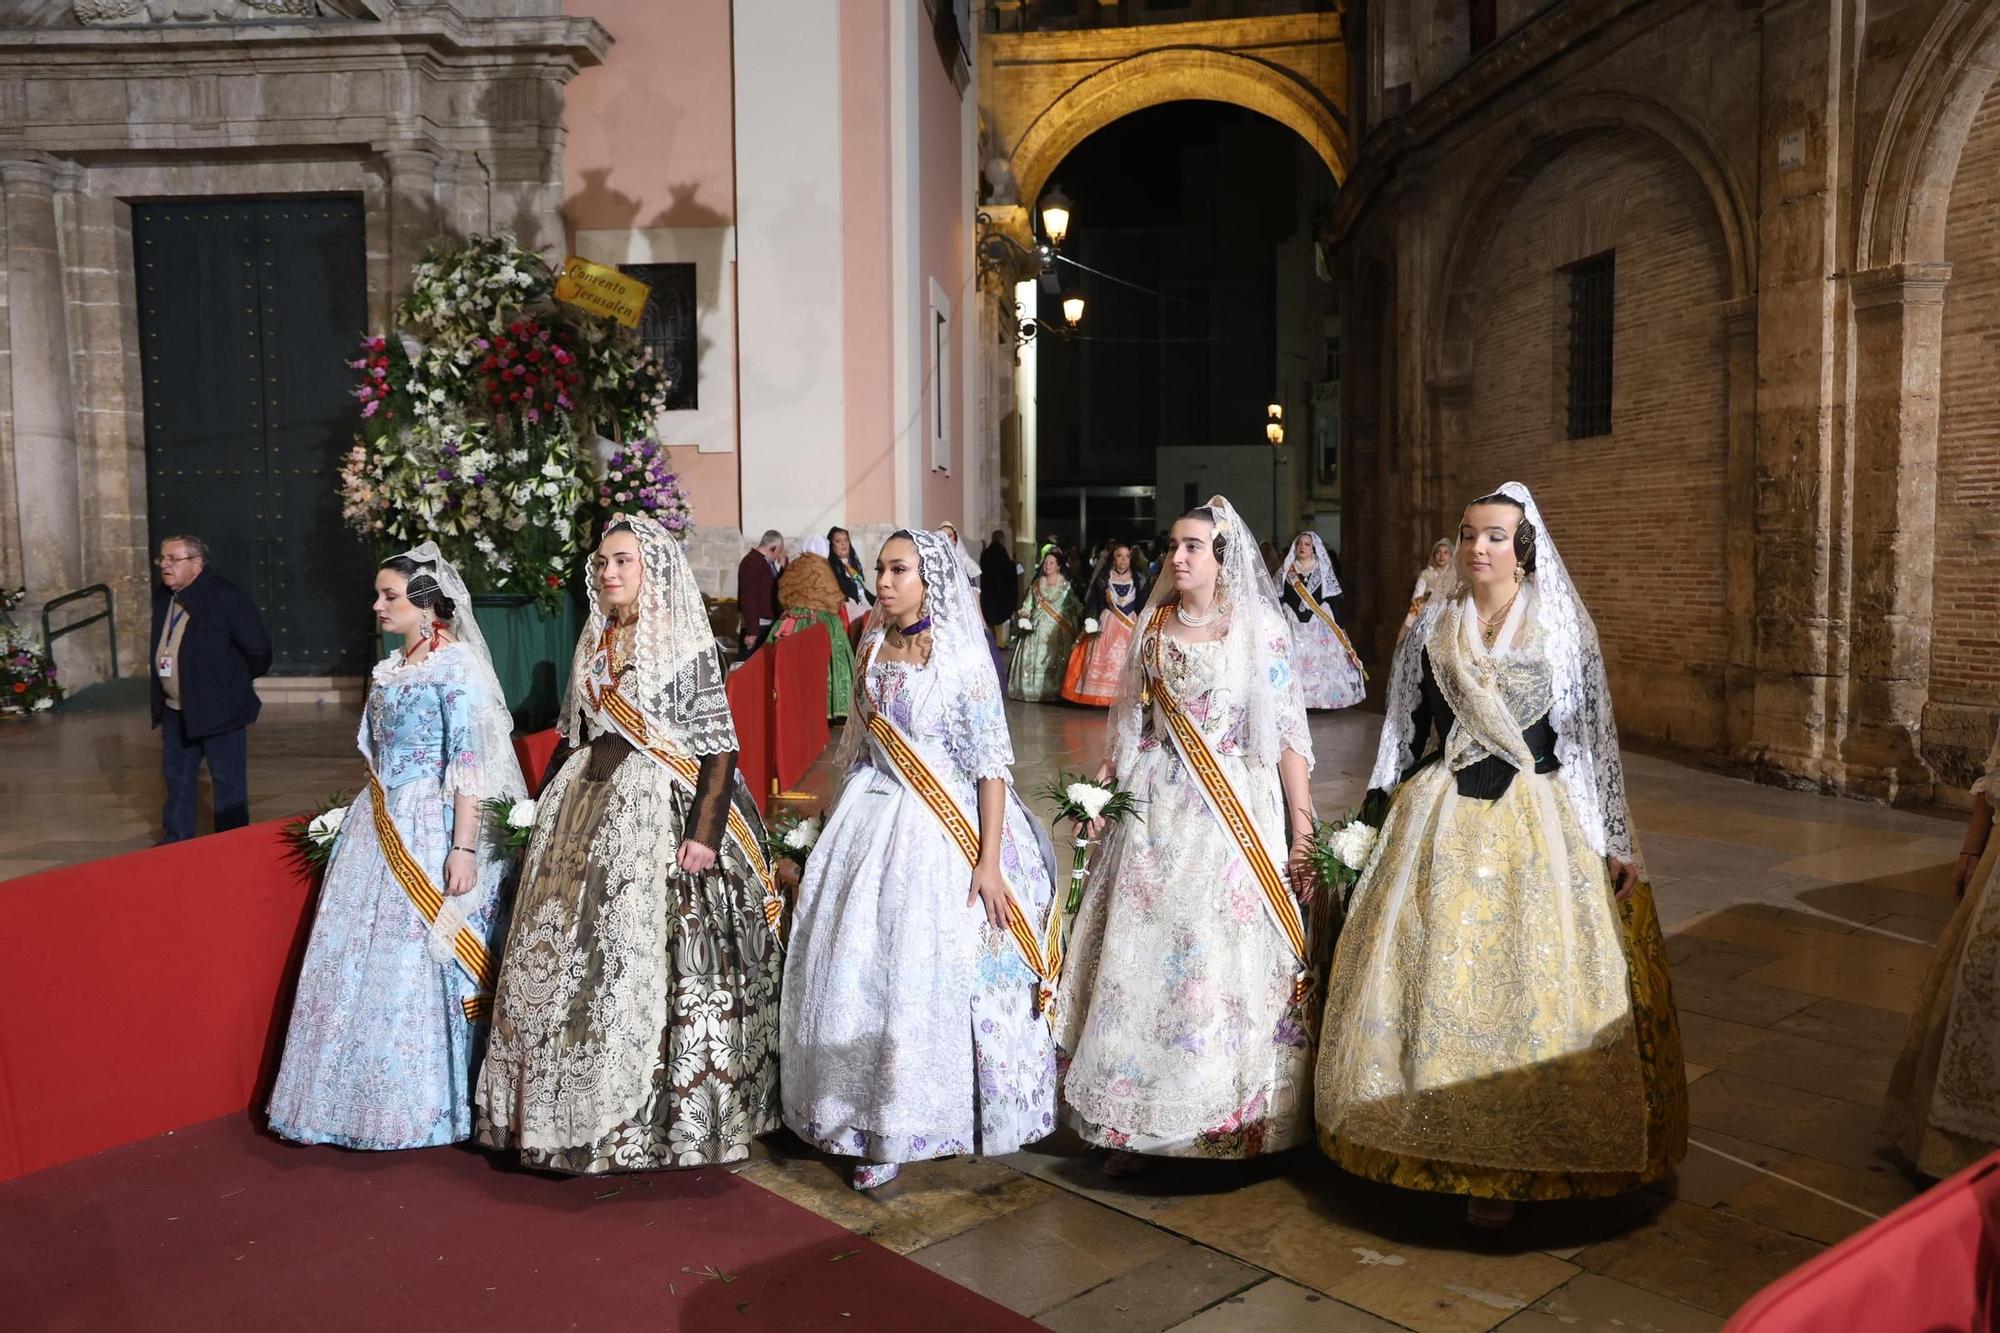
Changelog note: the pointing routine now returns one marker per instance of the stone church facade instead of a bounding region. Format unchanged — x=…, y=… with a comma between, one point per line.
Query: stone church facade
x=1784, y=528
x=432, y=120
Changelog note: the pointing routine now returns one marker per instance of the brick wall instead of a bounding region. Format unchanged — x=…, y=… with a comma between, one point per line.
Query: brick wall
x=1965, y=644
x=1639, y=514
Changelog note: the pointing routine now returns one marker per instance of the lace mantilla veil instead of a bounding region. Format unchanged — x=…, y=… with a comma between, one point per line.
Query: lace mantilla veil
x=676, y=681
x=496, y=770
x=1251, y=602
x=960, y=654
x=1586, y=734
x=1329, y=585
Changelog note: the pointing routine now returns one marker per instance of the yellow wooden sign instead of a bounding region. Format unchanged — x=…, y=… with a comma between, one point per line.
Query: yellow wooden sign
x=602, y=290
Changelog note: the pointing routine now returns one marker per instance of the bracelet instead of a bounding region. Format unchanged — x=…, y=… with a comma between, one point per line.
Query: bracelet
x=456, y=848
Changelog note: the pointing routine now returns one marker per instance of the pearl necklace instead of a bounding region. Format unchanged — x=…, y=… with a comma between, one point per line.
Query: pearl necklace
x=1195, y=622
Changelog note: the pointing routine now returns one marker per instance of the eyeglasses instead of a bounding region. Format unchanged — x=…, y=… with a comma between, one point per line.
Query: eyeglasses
x=176, y=559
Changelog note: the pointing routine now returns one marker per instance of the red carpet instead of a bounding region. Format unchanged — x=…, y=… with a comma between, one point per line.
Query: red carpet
x=219, y=1227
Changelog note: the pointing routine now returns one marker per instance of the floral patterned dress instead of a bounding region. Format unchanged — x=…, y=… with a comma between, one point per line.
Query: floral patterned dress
x=909, y=1028
x=1177, y=1010
x=380, y=1053
x=1330, y=674
x=1041, y=651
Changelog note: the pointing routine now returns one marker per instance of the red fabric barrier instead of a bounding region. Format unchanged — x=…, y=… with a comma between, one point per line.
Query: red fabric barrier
x=533, y=750
x=799, y=728
x=144, y=992
x=750, y=705
x=1931, y=1266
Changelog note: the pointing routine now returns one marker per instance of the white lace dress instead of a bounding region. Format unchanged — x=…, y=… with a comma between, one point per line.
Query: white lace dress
x=908, y=1026
x=1176, y=1010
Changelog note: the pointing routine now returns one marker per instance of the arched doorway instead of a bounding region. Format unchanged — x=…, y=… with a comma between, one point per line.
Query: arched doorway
x=1193, y=245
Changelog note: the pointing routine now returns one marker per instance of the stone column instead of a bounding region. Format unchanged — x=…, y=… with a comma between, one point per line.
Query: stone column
x=413, y=208
x=1796, y=693
x=1898, y=349
x=45, y=450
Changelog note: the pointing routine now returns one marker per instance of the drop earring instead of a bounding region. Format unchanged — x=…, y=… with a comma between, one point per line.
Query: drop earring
x=1520, y=575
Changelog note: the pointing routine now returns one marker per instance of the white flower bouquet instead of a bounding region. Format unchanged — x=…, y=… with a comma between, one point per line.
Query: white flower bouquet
x=1083, y=801
x=791, y=837
x=312, y=837
x=515, y=821
x=1090, y=625
x=1340, y=851
x=1025, y=624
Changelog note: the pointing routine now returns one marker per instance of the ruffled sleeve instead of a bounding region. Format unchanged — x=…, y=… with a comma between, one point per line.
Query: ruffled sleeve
x=1288, y=691
x=979, y=741
x=462, y=772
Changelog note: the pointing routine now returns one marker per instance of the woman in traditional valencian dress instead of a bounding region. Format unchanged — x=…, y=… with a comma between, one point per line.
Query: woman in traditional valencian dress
x=392, y=1001
x=853, y=578
x=1117, y=592
x=1544, y=1061
x=1184, y=1008
x=809, y=594
x=1330, y=673
x=922, y=951
x=1045, y=629
x=635, y=1023
x=1943, y=1108
x=1435, y=577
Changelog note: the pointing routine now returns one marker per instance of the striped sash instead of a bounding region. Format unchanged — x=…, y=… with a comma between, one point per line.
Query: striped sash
x=1230, y=810
x=1043, y=955
x=1314, y=605
x=1069, y=626
x=467, y=947
x=633, y=726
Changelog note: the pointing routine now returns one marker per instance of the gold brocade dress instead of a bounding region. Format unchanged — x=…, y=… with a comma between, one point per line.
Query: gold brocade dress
x=1497, y=1024
x=1943, y=1106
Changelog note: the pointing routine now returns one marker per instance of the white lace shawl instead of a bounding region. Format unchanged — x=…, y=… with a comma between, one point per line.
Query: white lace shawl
x=961, y=664
x=1321, y=581
x=1257, y=655
x=1592, y=771
x=676, y=681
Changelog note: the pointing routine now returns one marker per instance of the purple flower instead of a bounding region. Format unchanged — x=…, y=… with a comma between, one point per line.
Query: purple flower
x=534, y=415
x=479, y=479
x=483, y=344
x=648, y=451
x=618, y=462
x=370, y=409
x=446, y=474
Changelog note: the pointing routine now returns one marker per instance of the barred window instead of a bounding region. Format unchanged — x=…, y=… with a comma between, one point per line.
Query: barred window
x=667, y=327
x=1590, y=353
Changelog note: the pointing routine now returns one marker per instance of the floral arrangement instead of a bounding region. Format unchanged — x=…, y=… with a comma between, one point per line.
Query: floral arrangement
x=791, y=838
x=477, y=424
x=312, y=836
x=27, y=675
x=1339, y=852
x=514, y=819
x=637, y=476
x=1083, y=801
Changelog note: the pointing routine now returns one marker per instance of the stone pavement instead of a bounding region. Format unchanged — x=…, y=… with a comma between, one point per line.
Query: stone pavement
x=1798, y=926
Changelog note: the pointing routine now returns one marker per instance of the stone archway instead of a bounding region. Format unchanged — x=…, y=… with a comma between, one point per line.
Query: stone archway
x=1046, y=92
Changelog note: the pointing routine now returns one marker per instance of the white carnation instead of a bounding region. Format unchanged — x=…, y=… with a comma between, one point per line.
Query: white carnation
x=325, y=827
x=1353, y=843
x=1090, y=797
x=1025, y=623
x=1090, y=625
x=43, y=704
x=801, y=836
x=521, y=814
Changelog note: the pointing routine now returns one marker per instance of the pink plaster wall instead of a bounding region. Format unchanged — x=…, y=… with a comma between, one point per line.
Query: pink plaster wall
x=869, y=330
x=652, y=143
x=652, y=130
x=941, y=185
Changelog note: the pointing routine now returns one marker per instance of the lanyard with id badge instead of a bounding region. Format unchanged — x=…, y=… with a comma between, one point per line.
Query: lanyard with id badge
x=176, y=613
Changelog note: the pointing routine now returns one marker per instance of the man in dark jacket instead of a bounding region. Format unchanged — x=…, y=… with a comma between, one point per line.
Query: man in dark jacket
x=757, y=588
x=999, y=584
x=208, y=645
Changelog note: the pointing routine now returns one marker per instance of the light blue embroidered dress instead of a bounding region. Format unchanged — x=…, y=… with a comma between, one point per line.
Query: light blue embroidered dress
x=380, y=1053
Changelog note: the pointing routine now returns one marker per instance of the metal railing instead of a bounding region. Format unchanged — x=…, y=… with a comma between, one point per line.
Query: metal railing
x=49, y=636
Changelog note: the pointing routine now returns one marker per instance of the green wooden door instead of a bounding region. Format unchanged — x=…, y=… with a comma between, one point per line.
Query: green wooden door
x=248, y=313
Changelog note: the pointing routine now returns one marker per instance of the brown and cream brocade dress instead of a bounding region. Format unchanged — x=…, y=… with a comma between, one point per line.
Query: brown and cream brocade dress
x=1497, y=1024
x=635, y=1021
